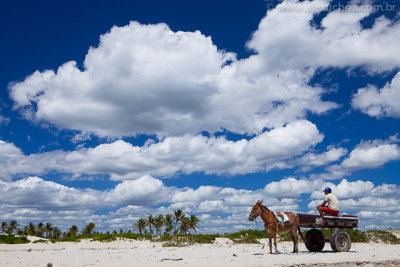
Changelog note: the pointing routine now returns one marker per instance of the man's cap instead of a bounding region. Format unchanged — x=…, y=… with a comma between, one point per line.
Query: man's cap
x=328, y=189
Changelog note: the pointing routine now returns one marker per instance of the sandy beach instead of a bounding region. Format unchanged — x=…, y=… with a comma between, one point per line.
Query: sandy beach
x=221, y=253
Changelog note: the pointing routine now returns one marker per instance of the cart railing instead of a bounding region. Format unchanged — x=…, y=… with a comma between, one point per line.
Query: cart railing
x=314, y=221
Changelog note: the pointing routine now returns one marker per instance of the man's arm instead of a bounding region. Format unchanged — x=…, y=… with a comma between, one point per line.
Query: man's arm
x=322, y=205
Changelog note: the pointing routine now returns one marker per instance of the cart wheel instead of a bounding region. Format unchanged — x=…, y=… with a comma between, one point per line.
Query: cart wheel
x=315, y=240
x=340, y=241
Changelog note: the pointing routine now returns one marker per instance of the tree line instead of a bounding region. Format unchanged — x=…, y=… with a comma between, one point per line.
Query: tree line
x=46, y=230
x=176, y=223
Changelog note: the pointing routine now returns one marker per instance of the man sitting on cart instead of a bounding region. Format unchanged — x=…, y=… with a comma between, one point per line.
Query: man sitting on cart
x=333, y=204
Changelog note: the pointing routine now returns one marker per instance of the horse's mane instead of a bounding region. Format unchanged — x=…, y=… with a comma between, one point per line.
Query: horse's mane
x=265, y=207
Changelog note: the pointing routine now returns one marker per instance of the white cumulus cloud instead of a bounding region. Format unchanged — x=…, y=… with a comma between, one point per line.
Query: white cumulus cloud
x=149, y=79
x=172, y=155
x=371, y=154
x=384, y=102
x=340, y=42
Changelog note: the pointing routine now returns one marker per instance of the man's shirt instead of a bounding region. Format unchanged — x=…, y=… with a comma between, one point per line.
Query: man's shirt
x=332, y=201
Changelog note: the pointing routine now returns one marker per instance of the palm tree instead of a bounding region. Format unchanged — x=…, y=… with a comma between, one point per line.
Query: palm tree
x=184, y=227
x=169, y=220
x=41, y=229
x=89, y=229
x=20, y=232
x=26, y=230
x=47, y=229
x=194, y=221
x=140, y=226
x=178, y=216
x=31, y=228
x=4, y=227
x=150, y=221
x=73, y=230
x=159, y=223
x=12, y=227
x=56, y=233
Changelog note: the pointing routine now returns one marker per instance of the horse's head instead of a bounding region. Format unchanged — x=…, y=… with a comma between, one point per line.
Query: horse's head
x=255, y=211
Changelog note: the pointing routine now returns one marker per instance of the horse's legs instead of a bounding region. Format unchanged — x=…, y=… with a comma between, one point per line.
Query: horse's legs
x=295, y=241
x=291, y=234
x=270, y=242
x=301, y=234
x=276, y=249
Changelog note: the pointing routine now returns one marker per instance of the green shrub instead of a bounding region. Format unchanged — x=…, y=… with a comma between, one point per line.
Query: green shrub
x=40, y=241
x=135, y=236
x=11, y=239
x=69, y=239
x=184, y=240
x=165, y=238
x=201, y=239
x=104, y=237
x=246, y=236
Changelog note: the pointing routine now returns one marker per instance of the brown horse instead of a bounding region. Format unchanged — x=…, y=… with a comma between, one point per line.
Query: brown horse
x=273, y=227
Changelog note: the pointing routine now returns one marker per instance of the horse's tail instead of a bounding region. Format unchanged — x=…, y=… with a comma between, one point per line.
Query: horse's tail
x=301, y=234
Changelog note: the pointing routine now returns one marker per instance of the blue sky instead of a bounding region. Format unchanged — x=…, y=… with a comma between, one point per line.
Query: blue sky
x=110, y=112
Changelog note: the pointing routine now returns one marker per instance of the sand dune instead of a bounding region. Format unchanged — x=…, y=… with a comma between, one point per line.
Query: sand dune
x=221, y=253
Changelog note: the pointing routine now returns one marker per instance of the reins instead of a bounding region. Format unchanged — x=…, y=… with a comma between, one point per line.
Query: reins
x=262, y=232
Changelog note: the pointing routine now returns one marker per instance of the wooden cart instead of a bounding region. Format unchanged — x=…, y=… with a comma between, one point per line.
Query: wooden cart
x=340, y=240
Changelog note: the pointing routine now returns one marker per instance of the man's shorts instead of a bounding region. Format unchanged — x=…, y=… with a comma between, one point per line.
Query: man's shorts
x=329, y=211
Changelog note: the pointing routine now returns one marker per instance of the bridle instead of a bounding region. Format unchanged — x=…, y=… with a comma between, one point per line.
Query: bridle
x=256, y=213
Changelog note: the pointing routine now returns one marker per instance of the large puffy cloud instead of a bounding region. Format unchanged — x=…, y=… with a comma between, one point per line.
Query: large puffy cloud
x=312, y=160
x=149, y=79
x=141, y=78
x=345, y=189
x=292, y=187
x=366, y=155
x=371, y=154
x=172, y=155
x=340, y=42
x=15, y=162
x=34, y=192
x=384, y=102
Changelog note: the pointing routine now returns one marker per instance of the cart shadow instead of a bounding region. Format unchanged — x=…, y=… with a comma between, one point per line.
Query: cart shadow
x=306, y=252
x=329, y=252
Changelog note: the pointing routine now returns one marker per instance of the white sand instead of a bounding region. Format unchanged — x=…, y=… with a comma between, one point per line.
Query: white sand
x=145, y=253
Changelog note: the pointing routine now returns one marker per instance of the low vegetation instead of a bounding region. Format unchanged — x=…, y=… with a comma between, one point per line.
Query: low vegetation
x=11, y=239
x=40, y=241
x=382, y=236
